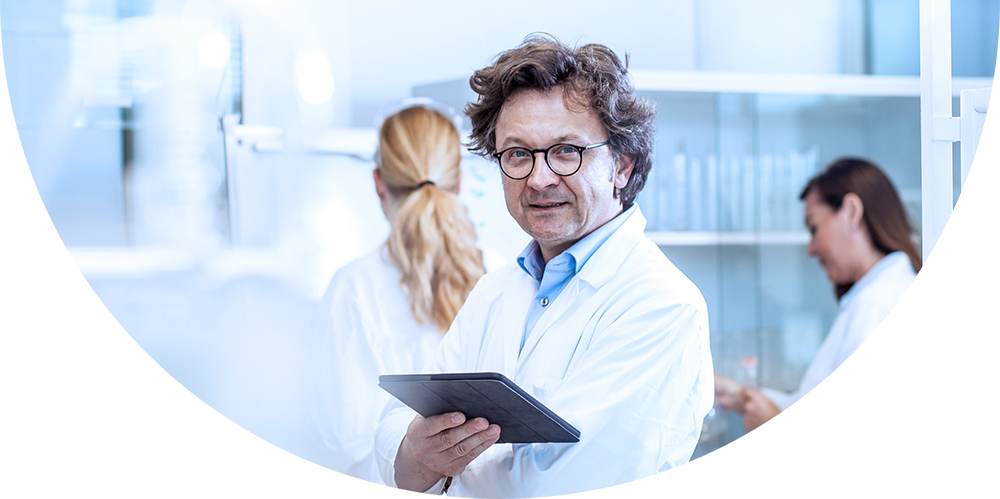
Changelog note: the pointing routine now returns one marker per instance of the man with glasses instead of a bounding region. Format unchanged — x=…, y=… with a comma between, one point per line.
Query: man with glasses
x=593, y=321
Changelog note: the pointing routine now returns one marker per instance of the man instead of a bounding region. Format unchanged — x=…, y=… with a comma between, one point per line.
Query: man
x=593, y=321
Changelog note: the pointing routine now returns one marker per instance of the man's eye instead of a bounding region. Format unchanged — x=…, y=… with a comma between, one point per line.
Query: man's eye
x=518, y=153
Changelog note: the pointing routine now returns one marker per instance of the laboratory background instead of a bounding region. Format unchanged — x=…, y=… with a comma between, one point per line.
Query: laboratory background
x=208, y=163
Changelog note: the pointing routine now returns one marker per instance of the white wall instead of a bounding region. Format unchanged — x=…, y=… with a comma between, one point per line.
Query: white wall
x=399, y=43
x=379, y=50
x=780, y=36
x=273, y=34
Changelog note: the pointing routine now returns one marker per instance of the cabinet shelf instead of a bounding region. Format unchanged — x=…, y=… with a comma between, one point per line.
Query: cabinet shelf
x=811, y=84
x=698, y=238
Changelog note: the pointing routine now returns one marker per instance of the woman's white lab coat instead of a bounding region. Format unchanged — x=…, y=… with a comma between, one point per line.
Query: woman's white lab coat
x=367, y=329
x=861, y=311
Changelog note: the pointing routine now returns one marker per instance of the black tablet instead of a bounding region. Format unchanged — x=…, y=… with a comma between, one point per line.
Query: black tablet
x=522, y=419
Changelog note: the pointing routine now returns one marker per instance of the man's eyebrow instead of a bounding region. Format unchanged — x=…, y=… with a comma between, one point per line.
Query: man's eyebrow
x=514, y=139
x=562, y=139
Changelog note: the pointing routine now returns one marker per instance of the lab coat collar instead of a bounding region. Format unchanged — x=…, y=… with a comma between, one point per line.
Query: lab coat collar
x=605, y=262
x=888, y=262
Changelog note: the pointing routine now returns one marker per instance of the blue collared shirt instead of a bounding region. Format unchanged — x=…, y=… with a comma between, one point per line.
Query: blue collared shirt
x=553, y=276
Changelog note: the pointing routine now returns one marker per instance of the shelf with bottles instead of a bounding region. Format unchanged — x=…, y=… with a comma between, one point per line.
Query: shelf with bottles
x=740, y=199
x=733, y=151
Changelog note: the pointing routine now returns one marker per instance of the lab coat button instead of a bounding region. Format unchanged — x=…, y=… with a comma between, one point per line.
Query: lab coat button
x=545, y=302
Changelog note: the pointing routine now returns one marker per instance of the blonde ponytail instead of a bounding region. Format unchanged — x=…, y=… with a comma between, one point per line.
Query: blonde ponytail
x=432, y=240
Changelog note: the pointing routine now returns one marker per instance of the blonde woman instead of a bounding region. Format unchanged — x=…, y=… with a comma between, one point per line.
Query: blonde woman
x=388, y=311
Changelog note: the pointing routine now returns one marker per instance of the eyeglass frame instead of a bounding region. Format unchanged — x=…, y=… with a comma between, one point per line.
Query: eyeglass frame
x=533, y=152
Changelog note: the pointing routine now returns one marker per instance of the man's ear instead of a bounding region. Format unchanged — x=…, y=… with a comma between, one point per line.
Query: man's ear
x=854, y=209
x=623, y=171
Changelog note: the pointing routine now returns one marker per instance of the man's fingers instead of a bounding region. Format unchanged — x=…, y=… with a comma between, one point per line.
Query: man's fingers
x=478, y=443
x=466, y=446
x=449, y=438
x=450, y=450
x=427, y=427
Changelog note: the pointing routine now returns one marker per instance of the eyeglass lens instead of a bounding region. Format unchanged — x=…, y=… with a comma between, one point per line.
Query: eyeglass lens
x=564, y=159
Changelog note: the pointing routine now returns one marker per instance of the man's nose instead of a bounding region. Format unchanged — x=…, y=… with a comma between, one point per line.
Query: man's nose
x=541, y=175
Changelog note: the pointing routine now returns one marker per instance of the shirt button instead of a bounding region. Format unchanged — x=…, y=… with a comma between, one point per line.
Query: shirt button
x=545, y=302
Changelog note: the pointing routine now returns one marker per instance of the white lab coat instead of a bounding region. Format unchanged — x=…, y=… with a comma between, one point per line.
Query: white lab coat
x=861, y=311
x=622, y=354
x=366, y=329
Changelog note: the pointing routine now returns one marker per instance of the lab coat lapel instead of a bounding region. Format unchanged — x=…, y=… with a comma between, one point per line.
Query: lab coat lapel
x=513, y=316
x=606, y=261
x=559, y=306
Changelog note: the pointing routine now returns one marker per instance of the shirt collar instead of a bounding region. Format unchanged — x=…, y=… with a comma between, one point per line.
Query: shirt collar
x=530, y=260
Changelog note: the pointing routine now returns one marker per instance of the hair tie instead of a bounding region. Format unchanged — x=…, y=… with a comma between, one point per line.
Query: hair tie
x=421, y=184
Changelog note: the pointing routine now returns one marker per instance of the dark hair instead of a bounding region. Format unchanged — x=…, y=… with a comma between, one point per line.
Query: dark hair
x=591, y=75
x=884, y=215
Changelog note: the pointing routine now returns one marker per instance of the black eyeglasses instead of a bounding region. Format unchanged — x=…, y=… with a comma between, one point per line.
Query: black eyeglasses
x=563, y=159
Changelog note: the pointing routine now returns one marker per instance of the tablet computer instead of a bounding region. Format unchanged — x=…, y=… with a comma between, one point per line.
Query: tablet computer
x=522, y=419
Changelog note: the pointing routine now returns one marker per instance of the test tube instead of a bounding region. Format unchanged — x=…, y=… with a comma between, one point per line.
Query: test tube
x=712, y=193
x=767, y=200
x=695, y=196
x=678, y=187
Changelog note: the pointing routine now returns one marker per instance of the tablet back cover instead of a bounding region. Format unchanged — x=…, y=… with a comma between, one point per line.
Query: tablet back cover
x=522, y=418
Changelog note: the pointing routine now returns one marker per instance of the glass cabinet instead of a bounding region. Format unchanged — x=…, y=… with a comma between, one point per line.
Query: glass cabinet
x=733, y=152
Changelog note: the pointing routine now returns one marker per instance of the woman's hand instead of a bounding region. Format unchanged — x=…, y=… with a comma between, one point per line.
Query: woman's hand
x=729, y=394
x=757, y=409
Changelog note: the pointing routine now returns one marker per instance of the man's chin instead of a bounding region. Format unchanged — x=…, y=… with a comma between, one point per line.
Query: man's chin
x=550, y=238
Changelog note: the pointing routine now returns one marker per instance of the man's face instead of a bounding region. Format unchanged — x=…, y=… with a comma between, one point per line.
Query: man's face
x=559, y=211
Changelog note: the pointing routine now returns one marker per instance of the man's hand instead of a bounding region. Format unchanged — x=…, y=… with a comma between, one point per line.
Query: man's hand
x=729, y=394
x=440, y=446
x=758, y=409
